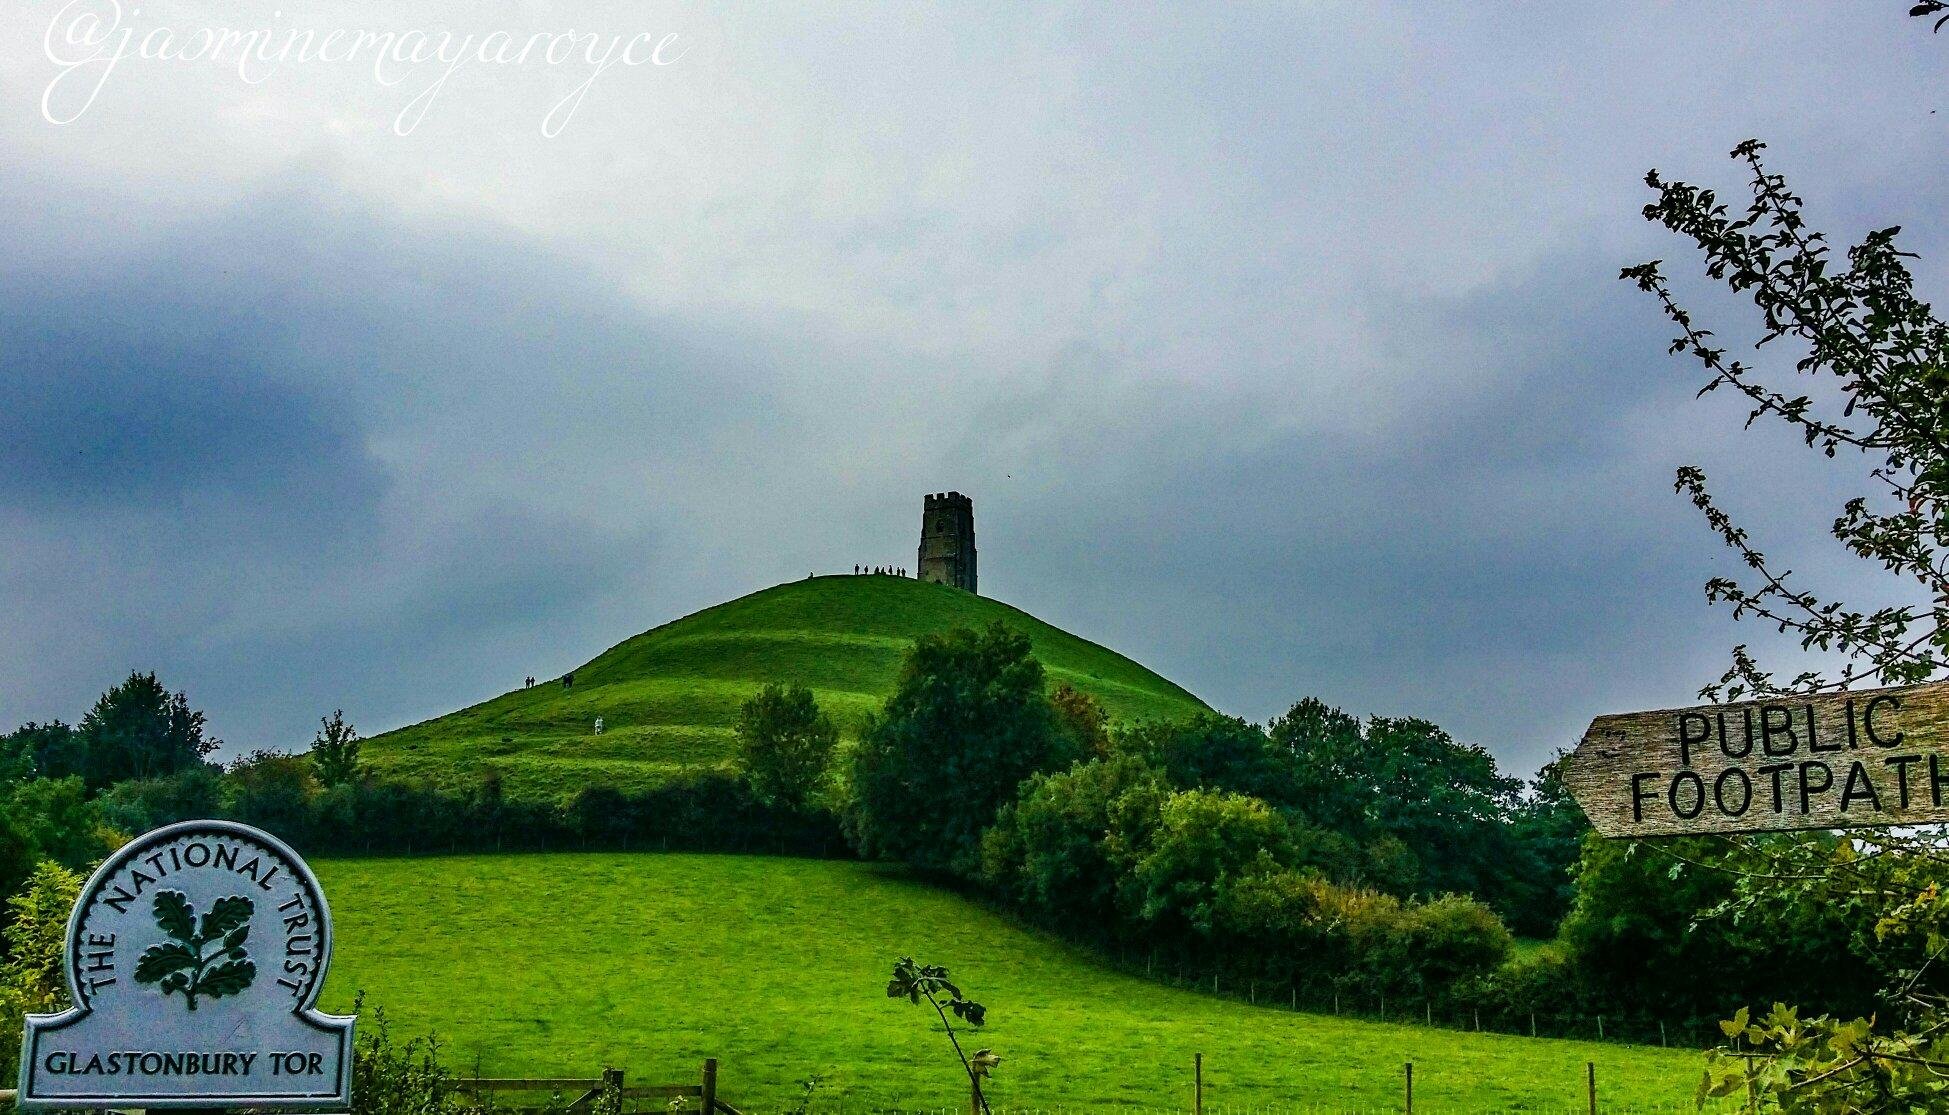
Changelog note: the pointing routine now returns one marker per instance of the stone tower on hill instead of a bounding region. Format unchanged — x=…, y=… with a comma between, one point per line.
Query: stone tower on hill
x=947, y=549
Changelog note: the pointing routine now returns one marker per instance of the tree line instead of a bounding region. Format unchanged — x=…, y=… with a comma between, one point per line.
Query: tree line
x=1377, y=859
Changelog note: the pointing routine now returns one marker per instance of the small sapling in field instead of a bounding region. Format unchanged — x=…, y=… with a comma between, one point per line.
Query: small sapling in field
x=914, y=982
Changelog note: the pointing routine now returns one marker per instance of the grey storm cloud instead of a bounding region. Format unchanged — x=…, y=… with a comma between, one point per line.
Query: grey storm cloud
x=230, y=455
x=122, y=416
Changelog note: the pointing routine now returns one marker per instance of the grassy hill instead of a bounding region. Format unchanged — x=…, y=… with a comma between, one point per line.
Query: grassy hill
x=669, y=697
x=560, y=964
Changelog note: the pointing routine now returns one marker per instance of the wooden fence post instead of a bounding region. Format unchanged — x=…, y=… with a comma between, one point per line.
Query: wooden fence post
x=612, y=1087
x=1590, y=1075
x=1198, y=1084
x=1410, y=1088
x=708, y=1103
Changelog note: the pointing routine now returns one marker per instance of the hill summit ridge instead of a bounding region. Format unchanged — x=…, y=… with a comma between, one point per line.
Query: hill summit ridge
x=669, y=697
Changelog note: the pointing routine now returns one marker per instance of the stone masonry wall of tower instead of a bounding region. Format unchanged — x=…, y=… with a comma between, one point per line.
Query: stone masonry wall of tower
x=947, y=541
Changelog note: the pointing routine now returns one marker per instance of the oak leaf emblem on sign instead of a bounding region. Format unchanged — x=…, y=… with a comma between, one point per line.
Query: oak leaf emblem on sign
x=187, y=963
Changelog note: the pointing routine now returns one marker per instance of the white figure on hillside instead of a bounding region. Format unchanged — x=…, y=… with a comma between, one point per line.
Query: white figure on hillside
x=598, y=725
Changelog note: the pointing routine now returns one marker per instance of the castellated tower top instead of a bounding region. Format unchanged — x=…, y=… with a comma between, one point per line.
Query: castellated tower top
x=947, y=546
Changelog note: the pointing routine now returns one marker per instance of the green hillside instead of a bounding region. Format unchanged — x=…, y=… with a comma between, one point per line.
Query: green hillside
x=669, y=697
x=557, y=965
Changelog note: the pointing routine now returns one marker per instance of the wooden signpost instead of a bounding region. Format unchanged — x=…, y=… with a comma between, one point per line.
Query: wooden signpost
x=1844, y=760
x=194, y=959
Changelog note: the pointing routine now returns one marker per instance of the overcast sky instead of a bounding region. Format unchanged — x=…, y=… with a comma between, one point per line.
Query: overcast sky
x=1281, y=348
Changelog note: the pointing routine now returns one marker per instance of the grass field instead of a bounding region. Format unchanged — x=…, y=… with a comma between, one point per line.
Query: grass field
x=669, y=697
x=562, y=964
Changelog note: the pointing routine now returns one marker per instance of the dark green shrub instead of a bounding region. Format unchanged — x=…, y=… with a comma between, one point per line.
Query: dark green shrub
x=138, y=805
x=391, y=1077
x=1452, y=938
x=1055, y=853
x=1543, y=981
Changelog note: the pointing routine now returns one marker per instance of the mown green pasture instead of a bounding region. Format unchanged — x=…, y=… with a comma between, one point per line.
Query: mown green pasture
x=560, y=964
x=669, y=698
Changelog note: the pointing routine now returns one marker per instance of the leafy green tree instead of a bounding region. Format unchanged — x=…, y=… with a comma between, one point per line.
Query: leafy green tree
x=335, y=752
x=139, y=730
x=1203, y=840
x=56, y=817
x=1273, y=925
x=1279, y=924
x=18, y=857
x=48, y=819
x=16, y=762
x=1445, y=800
x=1326, y=752
x=1547, y=829
x=785, y=744
x=1214, y=752
x=51, y=750
x=601, y=815
x=1407, y=780
x=1649, y=928
x=274, y=792
x=969, y=722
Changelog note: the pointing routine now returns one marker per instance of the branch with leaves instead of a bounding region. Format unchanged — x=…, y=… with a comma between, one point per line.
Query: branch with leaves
x=914, y=982
x=1880, y=349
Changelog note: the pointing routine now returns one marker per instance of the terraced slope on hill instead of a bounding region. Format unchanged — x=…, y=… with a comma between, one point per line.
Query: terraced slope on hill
x=669, y=697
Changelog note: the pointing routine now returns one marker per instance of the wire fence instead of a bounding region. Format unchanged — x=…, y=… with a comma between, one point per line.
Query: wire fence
x=1199, y=1096
x=1621, y=1028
